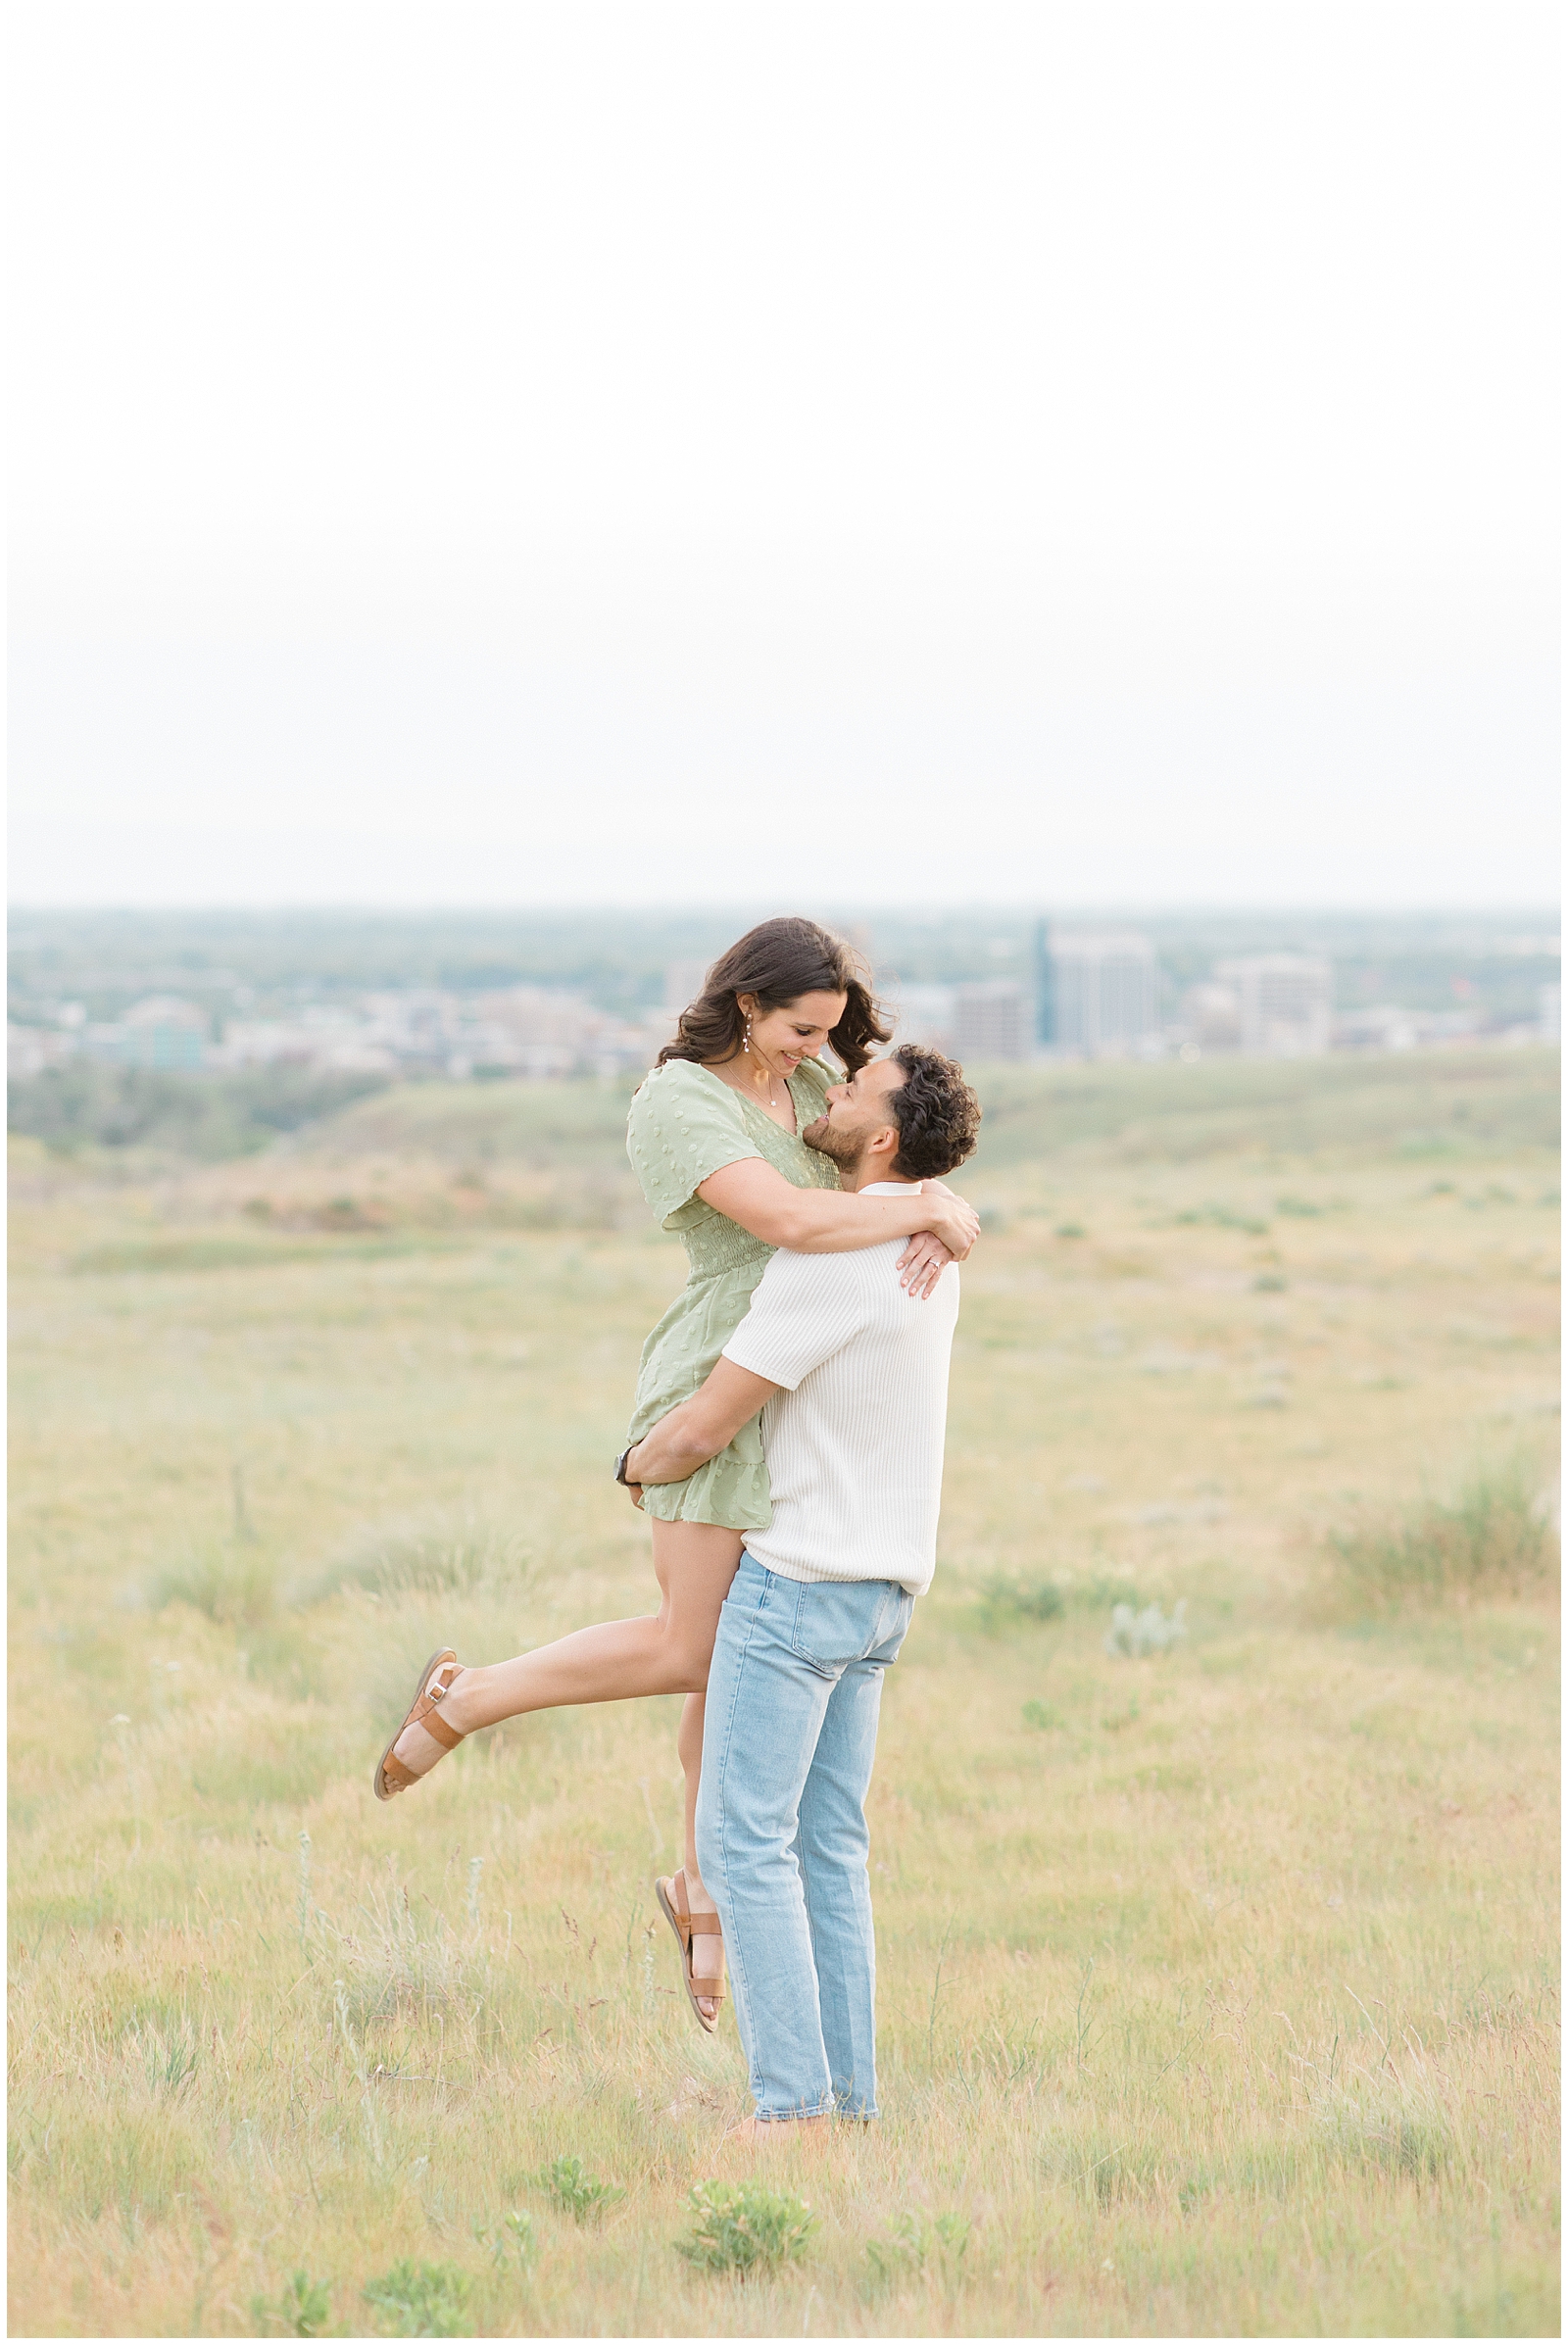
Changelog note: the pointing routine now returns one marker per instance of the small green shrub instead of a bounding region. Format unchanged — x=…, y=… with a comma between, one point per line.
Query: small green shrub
x=743, y=2227
x=1041, y=1714
x=567, y=2181
x=942, y=2242
x=512, y=2235
x=422, y=2300
x=1134, y=1635
x=301, y=2308
x=1491, y=1538
x=1005, y=1600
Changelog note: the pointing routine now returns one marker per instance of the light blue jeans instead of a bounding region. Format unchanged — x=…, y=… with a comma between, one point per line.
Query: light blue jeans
x=793, y=1696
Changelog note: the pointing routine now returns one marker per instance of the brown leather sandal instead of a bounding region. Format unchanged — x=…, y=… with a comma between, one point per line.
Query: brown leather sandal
x=670, y=1890
x=435, y=1682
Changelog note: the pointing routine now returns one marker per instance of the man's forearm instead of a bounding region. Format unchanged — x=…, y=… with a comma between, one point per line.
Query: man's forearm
x=698, y=1429
x=677, y=1445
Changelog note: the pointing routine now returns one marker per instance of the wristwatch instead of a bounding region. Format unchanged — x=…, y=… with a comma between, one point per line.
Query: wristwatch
x=620, y=1465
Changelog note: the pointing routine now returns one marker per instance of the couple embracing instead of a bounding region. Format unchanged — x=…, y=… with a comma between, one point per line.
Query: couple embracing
x=786, y=1445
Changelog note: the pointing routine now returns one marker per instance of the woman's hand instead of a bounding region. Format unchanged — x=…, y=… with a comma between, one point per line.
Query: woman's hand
x=954, y=1227
x=921, y=1264
x=953, y=1220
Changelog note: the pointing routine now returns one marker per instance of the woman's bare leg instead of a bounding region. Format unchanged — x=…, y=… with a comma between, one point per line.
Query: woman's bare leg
x=689, y=1744
x=707, y=1953
x=662, y=1652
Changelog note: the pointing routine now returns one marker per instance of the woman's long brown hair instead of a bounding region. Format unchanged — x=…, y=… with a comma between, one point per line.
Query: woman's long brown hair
x=778, y=961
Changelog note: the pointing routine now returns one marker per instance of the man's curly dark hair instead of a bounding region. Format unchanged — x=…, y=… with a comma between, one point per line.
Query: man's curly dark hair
x=937, y=1115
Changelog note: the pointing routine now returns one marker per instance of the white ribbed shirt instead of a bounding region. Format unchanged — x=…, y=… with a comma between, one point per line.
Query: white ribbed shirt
x=854, y=1442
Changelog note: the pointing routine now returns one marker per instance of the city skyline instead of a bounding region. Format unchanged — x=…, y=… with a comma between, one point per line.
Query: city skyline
x=541, y=998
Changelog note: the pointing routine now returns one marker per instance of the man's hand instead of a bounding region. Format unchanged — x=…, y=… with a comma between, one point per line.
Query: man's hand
x=699, y=1429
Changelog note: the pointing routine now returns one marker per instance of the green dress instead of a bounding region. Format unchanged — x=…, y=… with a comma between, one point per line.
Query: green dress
x=685, y=1124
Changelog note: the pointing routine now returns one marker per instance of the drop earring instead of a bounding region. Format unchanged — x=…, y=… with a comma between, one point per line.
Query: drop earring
x=746, y=1042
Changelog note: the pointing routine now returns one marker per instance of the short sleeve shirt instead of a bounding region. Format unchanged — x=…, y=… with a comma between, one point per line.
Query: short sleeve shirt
x=854, y=1439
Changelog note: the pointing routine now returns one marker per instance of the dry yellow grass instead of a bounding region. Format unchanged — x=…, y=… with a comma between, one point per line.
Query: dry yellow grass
x=1218, y=1990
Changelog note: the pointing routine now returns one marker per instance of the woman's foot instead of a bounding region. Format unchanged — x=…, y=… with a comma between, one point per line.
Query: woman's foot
x=693, y=1917
x=708, y=1952
x=424, y=1735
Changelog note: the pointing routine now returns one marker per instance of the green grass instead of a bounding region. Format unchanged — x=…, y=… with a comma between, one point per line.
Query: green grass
x=139, y=1255
x=1491, y=1538
x=1217, y=1985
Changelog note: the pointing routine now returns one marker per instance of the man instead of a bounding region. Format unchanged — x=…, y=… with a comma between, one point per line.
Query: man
x=852, y=1377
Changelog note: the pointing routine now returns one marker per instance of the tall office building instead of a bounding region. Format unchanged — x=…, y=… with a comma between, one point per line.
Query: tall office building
x=1044, y=988
x=1285, y=1000
x=990, y=1022
x=1097, y=992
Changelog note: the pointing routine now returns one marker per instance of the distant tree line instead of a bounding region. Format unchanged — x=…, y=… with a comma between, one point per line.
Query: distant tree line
x=209, y=1116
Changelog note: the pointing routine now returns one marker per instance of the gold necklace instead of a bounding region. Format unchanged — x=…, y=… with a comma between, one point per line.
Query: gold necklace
x=762, y=1068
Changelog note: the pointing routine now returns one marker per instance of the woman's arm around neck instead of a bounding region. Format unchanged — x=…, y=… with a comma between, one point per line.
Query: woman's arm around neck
x=831, y=1221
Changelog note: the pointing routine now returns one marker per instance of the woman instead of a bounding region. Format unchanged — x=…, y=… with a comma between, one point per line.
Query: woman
x=715, y=1137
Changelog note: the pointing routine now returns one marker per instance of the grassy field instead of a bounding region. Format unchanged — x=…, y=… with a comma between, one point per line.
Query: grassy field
x=1217, y=1983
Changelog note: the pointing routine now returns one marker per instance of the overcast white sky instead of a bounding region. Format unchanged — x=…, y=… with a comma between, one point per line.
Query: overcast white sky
x=583, y=454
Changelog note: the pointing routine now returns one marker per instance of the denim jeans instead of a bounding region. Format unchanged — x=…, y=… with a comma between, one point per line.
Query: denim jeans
x=793, y=1696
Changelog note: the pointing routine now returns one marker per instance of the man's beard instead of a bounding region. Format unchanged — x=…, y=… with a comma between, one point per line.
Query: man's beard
x=840, y=1146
